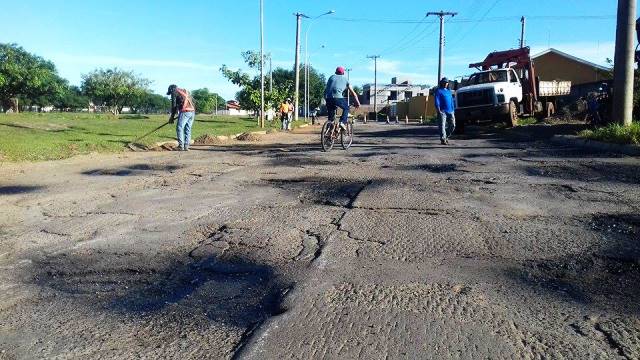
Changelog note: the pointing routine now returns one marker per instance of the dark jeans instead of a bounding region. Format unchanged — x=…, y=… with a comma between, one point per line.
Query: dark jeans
x=333, y=104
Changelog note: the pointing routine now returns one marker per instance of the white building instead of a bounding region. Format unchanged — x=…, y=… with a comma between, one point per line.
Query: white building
x=398, y=91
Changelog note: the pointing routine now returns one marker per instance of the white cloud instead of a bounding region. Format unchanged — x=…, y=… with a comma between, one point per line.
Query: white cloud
x=385, y=66
x=99, y=60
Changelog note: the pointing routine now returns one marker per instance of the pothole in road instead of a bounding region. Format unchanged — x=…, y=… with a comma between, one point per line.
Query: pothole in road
x=136, y=169
x=321, y=191
x=626, y=224
x=607, y=279
x=432, y=168
x=237, y=291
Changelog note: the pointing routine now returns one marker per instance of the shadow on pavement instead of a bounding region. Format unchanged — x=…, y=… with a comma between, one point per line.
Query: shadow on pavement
x=136, y=169
x=18, y=189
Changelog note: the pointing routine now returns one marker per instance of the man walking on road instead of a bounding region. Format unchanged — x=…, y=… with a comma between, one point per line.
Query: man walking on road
x=335, y=96
x=183, y=105
x=446, y=112
x=284, y=114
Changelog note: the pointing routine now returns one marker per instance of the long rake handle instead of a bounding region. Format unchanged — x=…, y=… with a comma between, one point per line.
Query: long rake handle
x=150, y=132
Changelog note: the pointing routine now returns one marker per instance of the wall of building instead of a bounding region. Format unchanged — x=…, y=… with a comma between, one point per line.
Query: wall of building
x=401, y=93
x=552, y=66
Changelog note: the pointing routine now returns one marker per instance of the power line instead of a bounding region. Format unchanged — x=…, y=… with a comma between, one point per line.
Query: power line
x=411, y=45
x=414, y=40
x=459, y=39
x=471, y=20
x=398, y=43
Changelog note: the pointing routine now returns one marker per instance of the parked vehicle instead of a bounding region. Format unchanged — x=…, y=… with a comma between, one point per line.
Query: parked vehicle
x=505, y=88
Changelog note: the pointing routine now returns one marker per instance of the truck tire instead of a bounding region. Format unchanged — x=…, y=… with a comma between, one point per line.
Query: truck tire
x=460, y=123
x=512, y=116
x=550, y=109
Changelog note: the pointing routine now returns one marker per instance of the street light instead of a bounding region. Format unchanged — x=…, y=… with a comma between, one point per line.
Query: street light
x=349, y=82
x=306, y=63
x=307, y=77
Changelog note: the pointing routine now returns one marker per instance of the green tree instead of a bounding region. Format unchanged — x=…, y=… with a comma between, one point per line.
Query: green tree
x=283, y=84
x=206, y=101
x=71, y=99
x=26, y=76
x=114, y=88
x=249, y=94
x=357, y=90
x=150, y=103
x=317, y=83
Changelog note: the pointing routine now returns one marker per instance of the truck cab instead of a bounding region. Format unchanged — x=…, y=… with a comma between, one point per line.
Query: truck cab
x=488, y=94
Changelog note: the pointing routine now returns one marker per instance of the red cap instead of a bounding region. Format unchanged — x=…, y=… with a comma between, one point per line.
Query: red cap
x=339, y=70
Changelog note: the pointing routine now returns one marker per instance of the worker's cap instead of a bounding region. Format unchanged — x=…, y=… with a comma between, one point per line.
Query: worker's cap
x=444, y=80
x=171, y=89
x=339, y=70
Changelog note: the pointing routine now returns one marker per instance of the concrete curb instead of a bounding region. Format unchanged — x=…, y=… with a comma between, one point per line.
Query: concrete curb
x=631, y=150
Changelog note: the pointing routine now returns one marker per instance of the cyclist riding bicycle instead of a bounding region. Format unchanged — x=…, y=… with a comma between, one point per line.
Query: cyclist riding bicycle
x=334, y=95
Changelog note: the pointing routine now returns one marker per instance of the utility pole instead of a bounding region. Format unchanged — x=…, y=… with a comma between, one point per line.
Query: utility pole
x=375, y=83
x=624, y=63
x=296, y=95
x=441, y=15
x=523, y=20
x=261, y=63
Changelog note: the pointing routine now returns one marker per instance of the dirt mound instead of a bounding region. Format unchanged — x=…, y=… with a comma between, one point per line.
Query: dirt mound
x=249, y=137
x=208, y=139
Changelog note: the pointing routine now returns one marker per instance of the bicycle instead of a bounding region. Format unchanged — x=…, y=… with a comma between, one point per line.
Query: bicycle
x=330, y=132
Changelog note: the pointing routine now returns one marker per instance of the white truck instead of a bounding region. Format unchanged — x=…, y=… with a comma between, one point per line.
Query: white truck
x=500, y=93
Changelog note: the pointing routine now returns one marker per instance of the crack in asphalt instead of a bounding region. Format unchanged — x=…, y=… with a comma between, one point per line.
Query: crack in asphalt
x=611, y=341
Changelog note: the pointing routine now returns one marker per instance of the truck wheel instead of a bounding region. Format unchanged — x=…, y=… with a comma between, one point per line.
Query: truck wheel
x=460, y=123
x=512, y=117
x=550, y=109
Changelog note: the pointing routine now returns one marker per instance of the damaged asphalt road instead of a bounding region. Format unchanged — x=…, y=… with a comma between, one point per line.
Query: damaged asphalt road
x=497, y=246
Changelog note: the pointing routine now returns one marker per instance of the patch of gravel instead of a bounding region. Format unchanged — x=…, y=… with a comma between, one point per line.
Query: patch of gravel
x=249, y=137
x=208, y=139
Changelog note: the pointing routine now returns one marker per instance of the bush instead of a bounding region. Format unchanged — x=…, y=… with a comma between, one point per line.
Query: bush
x=615, y=133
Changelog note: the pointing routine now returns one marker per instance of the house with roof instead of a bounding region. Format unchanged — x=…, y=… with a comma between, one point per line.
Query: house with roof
x=585, y=76
x=553, y=64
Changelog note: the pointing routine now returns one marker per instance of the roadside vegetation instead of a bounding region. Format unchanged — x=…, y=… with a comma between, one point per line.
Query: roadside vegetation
x=615, y=133
x=527, y=121
x=50, y=136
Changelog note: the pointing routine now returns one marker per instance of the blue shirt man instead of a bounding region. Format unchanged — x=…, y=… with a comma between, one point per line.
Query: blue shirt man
x=443, y=100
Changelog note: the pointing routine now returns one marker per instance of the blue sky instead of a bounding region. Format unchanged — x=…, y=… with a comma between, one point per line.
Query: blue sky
x=186, y=41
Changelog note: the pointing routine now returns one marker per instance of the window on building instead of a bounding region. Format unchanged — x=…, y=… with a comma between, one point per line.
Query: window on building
x=408, y=94
x=393, y=95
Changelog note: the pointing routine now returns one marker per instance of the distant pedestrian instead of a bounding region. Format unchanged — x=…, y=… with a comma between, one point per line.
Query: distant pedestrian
x=291, y=113
x=446, y=113
x=284, y=114
x=182, y=104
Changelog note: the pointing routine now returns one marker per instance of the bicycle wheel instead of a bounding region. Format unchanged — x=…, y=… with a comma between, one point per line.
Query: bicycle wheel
x=346, y=136
x=326, y=138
